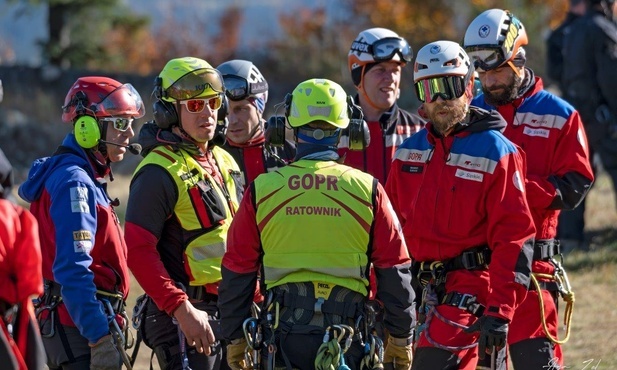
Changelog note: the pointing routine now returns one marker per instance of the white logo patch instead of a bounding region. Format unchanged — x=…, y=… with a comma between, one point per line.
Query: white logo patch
x=79, y=200
x=536, y=132
x=82, y=246
x=468, y=175
x=518, y=181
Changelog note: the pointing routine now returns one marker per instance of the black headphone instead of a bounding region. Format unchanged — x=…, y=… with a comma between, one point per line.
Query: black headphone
x=86, y=128
x=357, y=131
x=164, y=112
x=220, y=133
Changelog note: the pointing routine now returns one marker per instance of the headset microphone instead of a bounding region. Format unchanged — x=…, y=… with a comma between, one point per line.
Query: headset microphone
x=133, y=148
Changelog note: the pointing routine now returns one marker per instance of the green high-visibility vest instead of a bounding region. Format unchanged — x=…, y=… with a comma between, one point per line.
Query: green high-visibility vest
x=315, y=218
x=204, y=253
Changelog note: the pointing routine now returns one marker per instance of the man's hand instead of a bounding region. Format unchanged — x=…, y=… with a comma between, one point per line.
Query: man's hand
x=493, y=333
x=194, y=324
x=398, y=353
x=104, y=355
x=235, y=354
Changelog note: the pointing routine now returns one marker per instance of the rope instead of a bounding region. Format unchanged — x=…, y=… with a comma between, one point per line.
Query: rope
x=330, y=356
x=566, y=293
x=430, y=302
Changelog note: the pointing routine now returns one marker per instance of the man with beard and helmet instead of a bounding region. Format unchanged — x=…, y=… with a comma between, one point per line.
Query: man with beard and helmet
x=247, y=94
x=182, y=198
x=313, y=228
x=590, y=83
x=458, y=189
x=84, y=253
x=558, y=176
x=375, y=60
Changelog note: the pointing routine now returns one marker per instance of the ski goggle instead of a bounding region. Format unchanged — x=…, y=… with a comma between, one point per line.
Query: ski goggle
x=385, y=49
x=238, y=88
x=446, y=87
x=198, y=105
x=486, y=59
x=196, y=83
x=119, y=123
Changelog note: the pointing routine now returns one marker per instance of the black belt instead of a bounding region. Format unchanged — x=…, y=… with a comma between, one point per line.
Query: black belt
x=329, y=306
x=476, y=258
x=545, y=249
x=463, y=301
x=551, y=286
x=52, y=291
x=199, y=293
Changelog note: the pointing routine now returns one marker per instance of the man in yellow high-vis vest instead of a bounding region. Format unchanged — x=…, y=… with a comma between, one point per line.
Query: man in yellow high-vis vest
x=183, y=196
x=313, y=228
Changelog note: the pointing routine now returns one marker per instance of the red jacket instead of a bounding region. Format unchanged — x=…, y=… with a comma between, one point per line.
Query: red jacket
x=550, y=132
x=463, y=191
x=20, y=278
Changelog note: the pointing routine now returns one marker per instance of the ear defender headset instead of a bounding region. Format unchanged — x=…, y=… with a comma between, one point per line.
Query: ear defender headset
x=357, y=131
x=165, y=114
x=222, y=123
x=86, y=128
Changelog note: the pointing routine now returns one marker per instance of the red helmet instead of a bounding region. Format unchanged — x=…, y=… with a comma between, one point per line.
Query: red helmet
x=101, y=97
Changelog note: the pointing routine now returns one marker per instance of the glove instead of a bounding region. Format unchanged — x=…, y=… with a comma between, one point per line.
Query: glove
x=104, y=355
x=399, y=353
x=235, y=354
x=493, y=332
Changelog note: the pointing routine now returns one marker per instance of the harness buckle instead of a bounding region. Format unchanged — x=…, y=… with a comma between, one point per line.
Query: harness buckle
x=318, y=303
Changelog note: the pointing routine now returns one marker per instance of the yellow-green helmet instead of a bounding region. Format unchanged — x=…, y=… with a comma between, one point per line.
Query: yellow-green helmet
x=318, y=99
x=189, y=78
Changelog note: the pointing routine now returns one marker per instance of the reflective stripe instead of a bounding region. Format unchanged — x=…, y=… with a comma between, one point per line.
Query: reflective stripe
x=209, y=251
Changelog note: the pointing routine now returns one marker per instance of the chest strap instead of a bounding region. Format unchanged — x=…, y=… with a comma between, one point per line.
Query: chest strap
x=544, y=249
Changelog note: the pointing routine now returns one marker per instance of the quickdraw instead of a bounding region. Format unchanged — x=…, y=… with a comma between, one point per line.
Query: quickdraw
x=565, y=290
x=118, y=334
x=330, y=355
x=254, y=340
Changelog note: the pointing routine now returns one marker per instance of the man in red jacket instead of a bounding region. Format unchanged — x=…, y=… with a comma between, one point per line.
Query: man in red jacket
x=457, y=187
x=375, y=60
x=20, y=278
x=558, y=176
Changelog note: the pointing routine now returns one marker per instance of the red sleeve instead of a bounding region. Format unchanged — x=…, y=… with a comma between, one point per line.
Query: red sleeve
x=145, y=264
x=391, y=190
x=571, y=155
x=243, y=241
x=388, y=248
x=20, y=254
x=510, y=233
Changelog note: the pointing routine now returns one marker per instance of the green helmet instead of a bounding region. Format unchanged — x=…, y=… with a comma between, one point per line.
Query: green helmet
x=318, y=99
x=189, y=78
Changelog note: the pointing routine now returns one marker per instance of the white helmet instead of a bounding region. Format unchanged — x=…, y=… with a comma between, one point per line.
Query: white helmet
x=376, y=45
x=442, y=69
x=441, y=58
x=493, y=38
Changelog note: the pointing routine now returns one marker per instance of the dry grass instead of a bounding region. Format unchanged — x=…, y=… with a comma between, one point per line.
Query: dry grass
x=593, y=275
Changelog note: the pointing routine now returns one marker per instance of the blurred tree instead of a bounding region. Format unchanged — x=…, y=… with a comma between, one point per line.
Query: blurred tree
x=75, y=28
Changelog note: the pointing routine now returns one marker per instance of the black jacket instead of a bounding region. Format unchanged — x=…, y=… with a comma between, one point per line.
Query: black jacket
x=590, y=70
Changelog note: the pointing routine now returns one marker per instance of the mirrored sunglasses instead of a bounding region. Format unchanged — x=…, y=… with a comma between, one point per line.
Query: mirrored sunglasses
x=385, y=49
x=446, y=87
x=196, y=83
x=198, y=105
x=238, y=88
x=119, y=123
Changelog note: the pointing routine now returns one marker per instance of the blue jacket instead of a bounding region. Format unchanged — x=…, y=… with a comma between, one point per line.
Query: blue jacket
x=81, y=239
